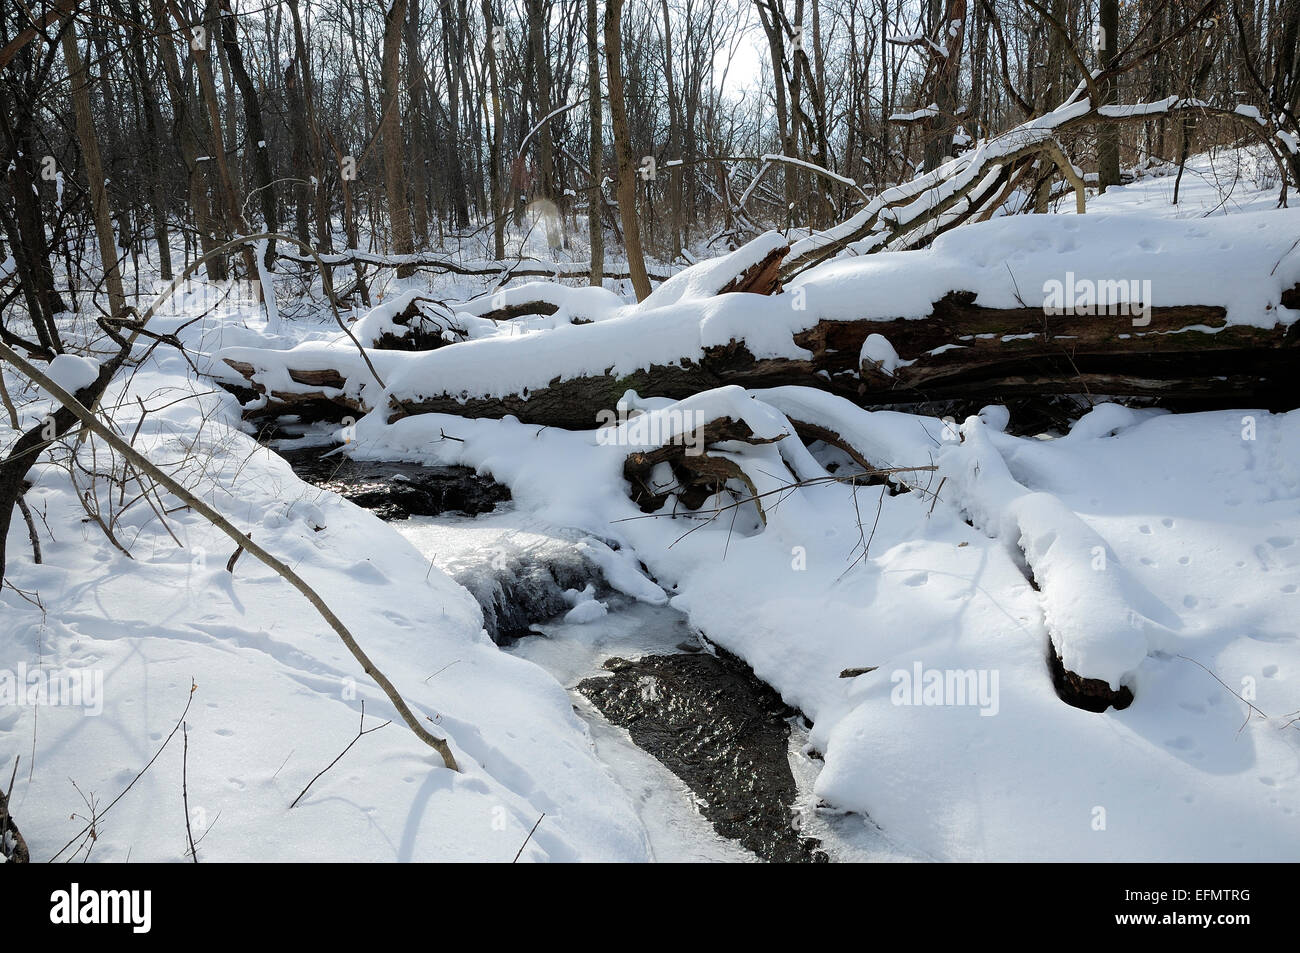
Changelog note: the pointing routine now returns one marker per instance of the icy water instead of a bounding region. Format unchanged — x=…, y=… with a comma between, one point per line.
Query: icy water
x=702, y=748
x=716, y=766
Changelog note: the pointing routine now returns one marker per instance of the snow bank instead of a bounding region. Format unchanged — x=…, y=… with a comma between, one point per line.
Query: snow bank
x=1199, y=533
x=278, y=695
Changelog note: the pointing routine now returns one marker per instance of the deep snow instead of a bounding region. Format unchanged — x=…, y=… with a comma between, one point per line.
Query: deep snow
x=1165, y=548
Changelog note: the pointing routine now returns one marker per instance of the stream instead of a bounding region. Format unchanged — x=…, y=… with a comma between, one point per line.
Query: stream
x=717, y=767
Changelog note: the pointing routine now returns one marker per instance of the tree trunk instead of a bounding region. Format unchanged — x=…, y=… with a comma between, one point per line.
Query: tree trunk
x=550, y=208
x=595, y=194
x=494, y=146
x=416, y=124
x=399, y=210
x=89, y=142
x=1108, y=135
x=263, y=179
x=153, y=146
x=623, y=150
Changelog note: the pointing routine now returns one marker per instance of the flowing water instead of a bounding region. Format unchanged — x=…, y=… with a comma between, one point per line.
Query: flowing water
x=717, y=767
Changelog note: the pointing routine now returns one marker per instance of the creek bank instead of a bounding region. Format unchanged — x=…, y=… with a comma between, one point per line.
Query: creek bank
x=700, y=712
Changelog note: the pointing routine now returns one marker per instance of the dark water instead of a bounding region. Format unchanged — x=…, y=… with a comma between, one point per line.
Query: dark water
x=720, y=729
x=395, y=491
x=705, y=717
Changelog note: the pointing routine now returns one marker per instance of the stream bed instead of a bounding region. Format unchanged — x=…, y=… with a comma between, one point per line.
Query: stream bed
x=716, y=765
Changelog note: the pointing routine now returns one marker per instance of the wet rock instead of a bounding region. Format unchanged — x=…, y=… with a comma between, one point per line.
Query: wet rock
x=720, y=729
x=517, y=588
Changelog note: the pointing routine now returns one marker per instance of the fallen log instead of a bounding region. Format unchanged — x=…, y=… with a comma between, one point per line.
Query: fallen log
x=1189, y=355
x=974, y=185
x=696, y=474
x=953, y=323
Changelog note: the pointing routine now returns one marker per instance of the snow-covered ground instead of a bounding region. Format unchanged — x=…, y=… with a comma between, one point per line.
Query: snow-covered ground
x=1165, y=551
x=278, y=696
x=1197, y=521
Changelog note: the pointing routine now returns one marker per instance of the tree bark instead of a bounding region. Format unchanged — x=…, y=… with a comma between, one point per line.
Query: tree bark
x=263, y=179
x=89, y=142
x=623, y=150
x=1108, y=135
x=399, y=210
x=595, y=194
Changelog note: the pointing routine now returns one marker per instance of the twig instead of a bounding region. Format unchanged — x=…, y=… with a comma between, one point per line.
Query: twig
x=527, y=839
x=1252, y=708
x=172, y=734
x=234, y=558
x=31, y=530
x=937, y=491
x=361, y=732
x=185, y=795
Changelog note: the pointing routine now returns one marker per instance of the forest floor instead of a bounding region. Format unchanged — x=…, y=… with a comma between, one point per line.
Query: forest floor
x=1178, y=534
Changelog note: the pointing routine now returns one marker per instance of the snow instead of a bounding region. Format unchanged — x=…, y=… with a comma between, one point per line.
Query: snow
x=72, y=372
x=877, y=350
x=278, y=696
x=1170, y=778
x=1155, y=551
x=925, y=112
x=1240, y=262
x=586, y=608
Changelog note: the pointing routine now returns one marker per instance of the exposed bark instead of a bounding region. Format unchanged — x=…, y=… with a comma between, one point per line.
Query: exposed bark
x=623, y=150
x=79, y=79
x=399, y=209
x=697, y=474
x=595, y=192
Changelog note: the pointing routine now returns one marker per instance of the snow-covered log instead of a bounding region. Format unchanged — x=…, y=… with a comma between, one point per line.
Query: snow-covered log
x=693, y=460
x=974, y=185
x=1199, y=312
